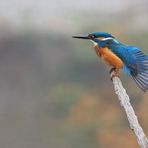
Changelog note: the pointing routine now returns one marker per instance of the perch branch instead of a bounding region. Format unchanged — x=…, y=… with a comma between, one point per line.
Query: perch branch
x=132, y=118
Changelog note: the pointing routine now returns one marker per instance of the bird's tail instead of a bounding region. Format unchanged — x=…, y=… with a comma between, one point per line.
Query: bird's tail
x=141, y=78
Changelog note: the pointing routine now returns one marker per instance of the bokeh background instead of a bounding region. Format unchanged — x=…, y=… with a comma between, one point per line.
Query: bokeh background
x=54, y=91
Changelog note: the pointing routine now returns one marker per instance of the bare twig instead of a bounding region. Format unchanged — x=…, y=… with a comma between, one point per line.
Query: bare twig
x=132, y=118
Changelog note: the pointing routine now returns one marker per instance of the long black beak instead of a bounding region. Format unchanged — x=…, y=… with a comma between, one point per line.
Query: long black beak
x=81, y=37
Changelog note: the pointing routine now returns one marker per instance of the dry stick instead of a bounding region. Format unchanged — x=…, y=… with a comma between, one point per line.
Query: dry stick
x=132, y=118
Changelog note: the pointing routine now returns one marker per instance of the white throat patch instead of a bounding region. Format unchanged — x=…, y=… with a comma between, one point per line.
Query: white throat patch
x=94, y=42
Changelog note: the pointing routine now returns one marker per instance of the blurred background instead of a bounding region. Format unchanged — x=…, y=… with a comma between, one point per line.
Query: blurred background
x=54, y=91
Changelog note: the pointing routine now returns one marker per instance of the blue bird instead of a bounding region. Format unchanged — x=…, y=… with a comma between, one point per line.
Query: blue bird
x=120, y=56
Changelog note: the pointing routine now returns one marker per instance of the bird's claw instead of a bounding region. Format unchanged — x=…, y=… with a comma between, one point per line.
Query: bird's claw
x=113, y=73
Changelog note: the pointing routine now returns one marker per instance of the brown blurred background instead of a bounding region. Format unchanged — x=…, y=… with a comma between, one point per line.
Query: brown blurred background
x=54, y=91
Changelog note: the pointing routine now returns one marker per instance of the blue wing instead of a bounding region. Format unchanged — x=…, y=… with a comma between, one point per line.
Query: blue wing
x=140, y=70
x=136, y=64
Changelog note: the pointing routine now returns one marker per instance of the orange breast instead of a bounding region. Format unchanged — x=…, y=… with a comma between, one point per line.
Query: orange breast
x=109, y=57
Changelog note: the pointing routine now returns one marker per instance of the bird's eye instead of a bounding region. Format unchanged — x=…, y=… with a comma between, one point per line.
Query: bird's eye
x=91, y=36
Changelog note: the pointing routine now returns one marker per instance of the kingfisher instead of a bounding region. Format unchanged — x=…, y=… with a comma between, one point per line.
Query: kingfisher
x=120, y=56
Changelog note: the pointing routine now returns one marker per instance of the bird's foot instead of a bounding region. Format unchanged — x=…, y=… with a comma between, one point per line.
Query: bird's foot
x=114, y=73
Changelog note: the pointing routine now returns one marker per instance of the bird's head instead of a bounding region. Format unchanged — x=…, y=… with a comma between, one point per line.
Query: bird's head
x=98, y=38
